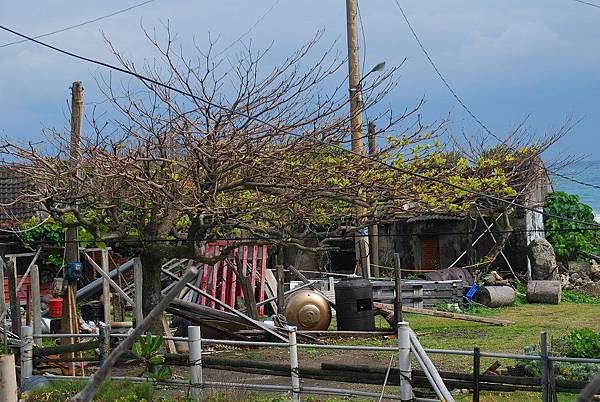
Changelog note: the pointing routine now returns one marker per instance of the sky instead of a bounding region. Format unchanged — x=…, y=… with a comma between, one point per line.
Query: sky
x=506, y=59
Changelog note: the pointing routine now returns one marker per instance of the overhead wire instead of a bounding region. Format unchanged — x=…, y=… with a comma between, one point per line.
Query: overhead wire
x=252, y=27
x=511, y=203
x=460, y=101
x=439, y=74
x=587, y=3
x=81, y=23
x=562, y=176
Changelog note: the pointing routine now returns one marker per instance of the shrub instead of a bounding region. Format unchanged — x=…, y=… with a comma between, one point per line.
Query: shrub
x=583, y=342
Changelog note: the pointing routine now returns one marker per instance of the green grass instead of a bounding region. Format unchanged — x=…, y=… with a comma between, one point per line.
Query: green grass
x=60, y=391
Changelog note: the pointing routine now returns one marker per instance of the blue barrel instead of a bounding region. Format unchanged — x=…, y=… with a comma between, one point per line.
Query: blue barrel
x=73, y=271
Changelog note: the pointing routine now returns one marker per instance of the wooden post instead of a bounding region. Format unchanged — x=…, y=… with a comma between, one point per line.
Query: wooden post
x=15, y=308
x=26, y=353
x=364, y=259
x=106, y=286
x=356, y=118
x=8, y=379
x=398, y=288
x=2, y=294
x=137, y=279
x=545, y=368
x=280, y=289
x=36, y=309
x=69, y=323
x=373, y=229
x=476, y=373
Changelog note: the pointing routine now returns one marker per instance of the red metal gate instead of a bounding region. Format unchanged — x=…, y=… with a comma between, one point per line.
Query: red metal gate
x=220, y=281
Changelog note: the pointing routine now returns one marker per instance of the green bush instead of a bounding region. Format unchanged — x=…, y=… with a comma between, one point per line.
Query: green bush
x=583, y=342
x=562, y=370
x=568, y=242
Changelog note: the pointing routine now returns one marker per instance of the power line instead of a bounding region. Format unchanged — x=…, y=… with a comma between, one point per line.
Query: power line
x=458, y=99
x=81, y=24
x=562, y=176
x=242, y=36
x=438, y=72
x=587, y=3
x=315, y=140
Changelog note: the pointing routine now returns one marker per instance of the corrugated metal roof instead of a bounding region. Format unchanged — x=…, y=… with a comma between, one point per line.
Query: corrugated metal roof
x=435, y=217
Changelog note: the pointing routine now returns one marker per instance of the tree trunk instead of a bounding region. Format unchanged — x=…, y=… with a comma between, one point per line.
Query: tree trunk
x=151, y=265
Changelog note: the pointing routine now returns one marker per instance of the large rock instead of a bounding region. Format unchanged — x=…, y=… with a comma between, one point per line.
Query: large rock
x=594, y=271
x=543, y=260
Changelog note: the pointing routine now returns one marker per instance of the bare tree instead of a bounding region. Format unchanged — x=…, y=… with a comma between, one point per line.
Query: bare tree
x=253, y=156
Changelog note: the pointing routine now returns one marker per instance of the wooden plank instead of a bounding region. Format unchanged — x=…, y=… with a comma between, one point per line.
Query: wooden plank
x=26, y=274
x=263, y=269
x=15, y=308
x=106, y=286
x=138, y=280
x=444, y=314
x=112, y=283
x=270, y=289
x=169, y=344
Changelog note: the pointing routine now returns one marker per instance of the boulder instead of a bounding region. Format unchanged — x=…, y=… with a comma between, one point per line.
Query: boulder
x=543, y=260
x=578, y=266
x=594, y=271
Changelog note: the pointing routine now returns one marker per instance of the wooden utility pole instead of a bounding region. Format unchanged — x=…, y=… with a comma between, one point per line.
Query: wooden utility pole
x=373, y=229
x=72, y=237
x=69, y=323
x=356, y=110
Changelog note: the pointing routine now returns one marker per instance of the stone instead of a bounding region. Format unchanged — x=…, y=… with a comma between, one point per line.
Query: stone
x=578, y=266
x=594, y=271
x=575, y=276
x=564, y=280
x=543, y=260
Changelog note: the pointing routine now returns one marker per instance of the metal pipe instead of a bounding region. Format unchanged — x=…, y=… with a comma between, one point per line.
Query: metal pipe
x=348, y=347
x=426, y=372
x=295, y=370
x=404, y=361
x=434, y=373
x=195, y=360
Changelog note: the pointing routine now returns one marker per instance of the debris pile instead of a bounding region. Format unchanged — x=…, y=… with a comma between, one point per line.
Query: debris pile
x=581, y=275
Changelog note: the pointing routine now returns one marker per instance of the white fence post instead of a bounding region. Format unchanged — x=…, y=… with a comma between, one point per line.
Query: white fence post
x=195, y=346
x=26, y=352
x=36, y=309
x=295, y=371
x=404, y=361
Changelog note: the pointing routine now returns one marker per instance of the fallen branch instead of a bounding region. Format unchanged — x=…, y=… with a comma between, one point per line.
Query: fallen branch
x=103, y=372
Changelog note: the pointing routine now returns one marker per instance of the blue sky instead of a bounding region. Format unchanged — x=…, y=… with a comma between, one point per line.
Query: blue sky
x=506, y=59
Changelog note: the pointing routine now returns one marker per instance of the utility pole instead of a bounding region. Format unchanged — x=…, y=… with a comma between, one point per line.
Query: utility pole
x=69, y=323
x=356, y=110
x=374, y=228
x=72, y=235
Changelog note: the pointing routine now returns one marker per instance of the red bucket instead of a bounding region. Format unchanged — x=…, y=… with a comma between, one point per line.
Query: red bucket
x=56, y=306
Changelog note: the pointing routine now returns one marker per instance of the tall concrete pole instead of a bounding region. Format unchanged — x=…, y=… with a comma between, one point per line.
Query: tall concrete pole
x=356, y=109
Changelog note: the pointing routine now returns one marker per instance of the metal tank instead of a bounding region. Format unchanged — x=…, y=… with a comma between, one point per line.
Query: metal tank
x=354, y=305
x=308, y=310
